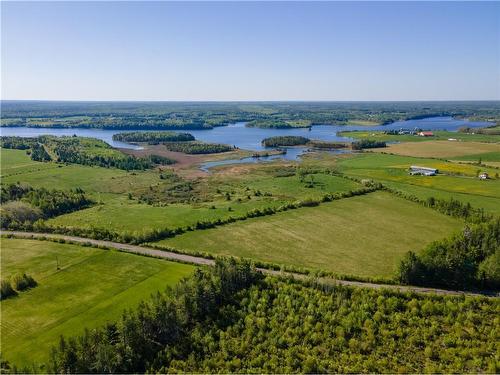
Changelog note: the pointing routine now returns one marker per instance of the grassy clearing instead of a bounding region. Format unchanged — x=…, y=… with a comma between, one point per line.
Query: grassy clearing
x=92, y=287
x=17, y=162
x=119, y=213
x=442, y=149
x=363, y=236
x=17, y=166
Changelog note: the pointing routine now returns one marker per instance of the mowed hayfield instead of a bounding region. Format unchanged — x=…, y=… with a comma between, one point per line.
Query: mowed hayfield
x=91, y=287
x=440, y=149
x=363, y=236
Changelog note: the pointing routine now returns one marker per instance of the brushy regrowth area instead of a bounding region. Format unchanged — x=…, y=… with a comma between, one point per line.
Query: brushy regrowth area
x=229, y=319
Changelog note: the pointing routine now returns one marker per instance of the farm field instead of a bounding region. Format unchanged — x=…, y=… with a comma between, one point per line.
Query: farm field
x=91, y=287
x=457, y=180
x=438, y=135
x=362, y=236
x=491, y=157
x=442, y=149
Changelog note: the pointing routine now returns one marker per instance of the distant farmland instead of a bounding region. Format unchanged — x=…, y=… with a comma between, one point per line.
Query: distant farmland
x=363, y=236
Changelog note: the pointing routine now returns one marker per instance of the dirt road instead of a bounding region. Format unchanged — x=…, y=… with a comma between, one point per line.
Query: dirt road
x=143, y=250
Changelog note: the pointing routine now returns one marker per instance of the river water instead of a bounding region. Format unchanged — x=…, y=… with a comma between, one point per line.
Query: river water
x=250, y=138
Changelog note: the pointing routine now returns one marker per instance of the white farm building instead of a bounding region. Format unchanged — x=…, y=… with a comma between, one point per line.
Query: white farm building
x=422, y=171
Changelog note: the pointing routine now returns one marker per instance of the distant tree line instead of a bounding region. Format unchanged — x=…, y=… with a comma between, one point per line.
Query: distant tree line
x=183, y=116
x=278, y=124
x=198, y=147
x=153, y=138
x=288, y=140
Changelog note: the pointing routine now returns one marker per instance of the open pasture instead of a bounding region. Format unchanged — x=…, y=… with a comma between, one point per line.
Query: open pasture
x=441, y=149
x=363, y=236
x=91, y=287
x=246, y=191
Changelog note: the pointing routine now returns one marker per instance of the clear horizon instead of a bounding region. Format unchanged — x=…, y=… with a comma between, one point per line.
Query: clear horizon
x=251, y=51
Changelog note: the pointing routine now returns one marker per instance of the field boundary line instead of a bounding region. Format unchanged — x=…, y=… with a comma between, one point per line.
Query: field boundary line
x=198, y=260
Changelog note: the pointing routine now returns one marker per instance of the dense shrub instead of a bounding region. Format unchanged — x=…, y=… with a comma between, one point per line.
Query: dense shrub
x=17, y=143
x=228, y=320
x=327, y=145
x=367, y=143
x=6, y=290
x=15, y=213
x=450, y=207
x=23, y=281
x=39, y=153
x=22, y=203
x=153, y=137
x=13, y=192
x=198, y=147
x=289, y=140
x=466, y=260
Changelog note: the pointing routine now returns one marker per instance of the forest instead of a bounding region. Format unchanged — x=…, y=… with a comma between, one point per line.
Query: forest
x=196, y=147
x=205, y=115
x=153, y=138
x=228, y=318
x=289, y=140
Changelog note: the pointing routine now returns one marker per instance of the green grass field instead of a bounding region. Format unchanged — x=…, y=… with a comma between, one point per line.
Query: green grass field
x=438, y=135
x=485, y=156
x=119, y=214
x=363, y=236
x=443, y=149
x=92, y=286
x=17, y=166
x=17, y=162
x=458, y=180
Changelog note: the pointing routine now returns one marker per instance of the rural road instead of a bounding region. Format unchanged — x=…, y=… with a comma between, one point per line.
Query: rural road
x=142, y=250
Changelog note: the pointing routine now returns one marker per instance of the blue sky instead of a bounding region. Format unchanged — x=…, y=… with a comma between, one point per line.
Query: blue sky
x=251, y=50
